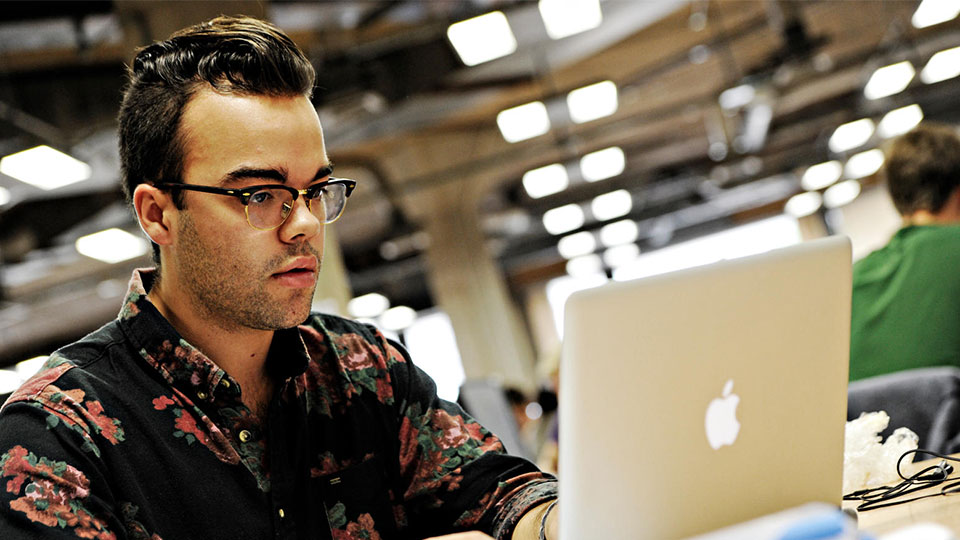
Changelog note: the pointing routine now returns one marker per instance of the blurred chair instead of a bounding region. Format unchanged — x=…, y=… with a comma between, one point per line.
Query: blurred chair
x=926, y=400
x=486, y=401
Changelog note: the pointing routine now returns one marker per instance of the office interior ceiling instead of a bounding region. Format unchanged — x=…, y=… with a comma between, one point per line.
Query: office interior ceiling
x=413, y=125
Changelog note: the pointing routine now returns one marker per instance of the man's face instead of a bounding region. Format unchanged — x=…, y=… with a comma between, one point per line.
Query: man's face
x=231, y=274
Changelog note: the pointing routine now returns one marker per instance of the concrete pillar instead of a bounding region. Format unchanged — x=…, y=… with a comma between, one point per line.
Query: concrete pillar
x=333, y=285
x=469, y=286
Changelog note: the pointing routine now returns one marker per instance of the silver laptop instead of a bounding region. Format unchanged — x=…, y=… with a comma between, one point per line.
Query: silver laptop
x=702, y=398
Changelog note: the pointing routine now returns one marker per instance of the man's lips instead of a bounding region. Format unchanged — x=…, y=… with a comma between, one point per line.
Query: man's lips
x=300, y=273
x=301, y=264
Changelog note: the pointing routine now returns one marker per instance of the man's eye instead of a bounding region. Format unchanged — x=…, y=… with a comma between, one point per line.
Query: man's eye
x=261, y=197
x=318, y=193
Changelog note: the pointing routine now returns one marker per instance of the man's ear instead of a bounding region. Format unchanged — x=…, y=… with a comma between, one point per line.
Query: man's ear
x=155, y=210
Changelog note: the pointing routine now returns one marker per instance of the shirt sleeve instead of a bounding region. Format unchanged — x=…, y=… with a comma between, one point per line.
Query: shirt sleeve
x=52, y=482
x=456, y=474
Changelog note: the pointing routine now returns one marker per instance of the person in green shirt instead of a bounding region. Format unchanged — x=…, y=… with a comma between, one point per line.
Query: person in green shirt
x=906, y=295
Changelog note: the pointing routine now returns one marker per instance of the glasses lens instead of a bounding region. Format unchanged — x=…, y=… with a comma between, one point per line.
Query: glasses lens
x=334, y=198
x=268, y=207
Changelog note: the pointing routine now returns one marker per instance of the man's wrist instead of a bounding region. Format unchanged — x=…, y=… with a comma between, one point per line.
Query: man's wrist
x=528, y=528
x=548, y=524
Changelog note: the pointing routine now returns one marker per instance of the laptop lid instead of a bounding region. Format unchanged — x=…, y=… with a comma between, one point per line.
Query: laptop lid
x=705, y=397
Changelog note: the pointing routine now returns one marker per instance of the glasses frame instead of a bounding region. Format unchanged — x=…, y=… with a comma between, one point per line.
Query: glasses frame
x=245, y=193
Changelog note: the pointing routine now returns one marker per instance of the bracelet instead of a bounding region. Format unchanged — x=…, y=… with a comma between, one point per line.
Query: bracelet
x=543, y=520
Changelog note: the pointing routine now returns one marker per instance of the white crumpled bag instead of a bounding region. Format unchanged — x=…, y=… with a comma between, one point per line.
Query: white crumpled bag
x=866, y=462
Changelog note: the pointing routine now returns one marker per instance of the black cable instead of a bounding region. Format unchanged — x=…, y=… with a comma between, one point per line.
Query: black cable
x=880, y=497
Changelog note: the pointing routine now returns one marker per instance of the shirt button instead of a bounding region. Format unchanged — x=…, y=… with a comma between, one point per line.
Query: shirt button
x=280, y=513
x=244, y=437
x=202, y=395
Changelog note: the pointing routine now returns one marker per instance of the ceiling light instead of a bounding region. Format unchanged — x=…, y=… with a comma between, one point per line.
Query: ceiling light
x=851, y=135
x=27, y=368
x=602, y=164
x=611, y=205
x=563, y=219
x=44, y=167
x=577, y=244
x=9, y=381
x=4, y=196
x=546, y=180
x=736, y=97
x=620, y=255
x=524, y=122
x=592, y=102
x=900, y=121
x=864, y=164
x=397, y=318
x=841, y=194
x=564, y=18
x=889, y=80
x=803, y=204
x=620, y=232
x=931, y=12
x=482, y=38
x=585, y=265
x=821, y=175
x=941, y=66
x=368, y=306
x=111, y=246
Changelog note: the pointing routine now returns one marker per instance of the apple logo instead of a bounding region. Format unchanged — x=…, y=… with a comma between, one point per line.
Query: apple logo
x=721, y=421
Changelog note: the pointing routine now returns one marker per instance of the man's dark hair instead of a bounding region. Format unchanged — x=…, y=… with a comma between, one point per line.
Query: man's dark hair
x=923, y=168
x=237, y=55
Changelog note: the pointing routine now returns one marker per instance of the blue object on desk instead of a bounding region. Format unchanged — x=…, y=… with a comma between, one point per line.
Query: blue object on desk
x=820, y=527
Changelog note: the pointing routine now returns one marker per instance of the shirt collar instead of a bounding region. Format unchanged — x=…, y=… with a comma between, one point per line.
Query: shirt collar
x=183, y=365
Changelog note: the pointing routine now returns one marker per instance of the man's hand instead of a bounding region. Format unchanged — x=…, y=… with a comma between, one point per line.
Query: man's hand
x=469, y=535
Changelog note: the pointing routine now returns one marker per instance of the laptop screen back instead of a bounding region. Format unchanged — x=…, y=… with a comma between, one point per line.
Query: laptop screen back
x=705, y=397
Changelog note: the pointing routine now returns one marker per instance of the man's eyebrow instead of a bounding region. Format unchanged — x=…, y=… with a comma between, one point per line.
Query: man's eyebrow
x=324, y=171
x=247, y=173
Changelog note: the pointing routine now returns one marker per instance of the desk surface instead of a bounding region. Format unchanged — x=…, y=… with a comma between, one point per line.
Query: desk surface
x=944, y=510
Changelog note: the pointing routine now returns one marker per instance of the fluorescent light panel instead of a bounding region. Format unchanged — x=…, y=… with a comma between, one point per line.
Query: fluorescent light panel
x=368, y=305
x=584, y=265
x=864, y=164
x=931, y=12
x=546, y=180
x=5, y=196
x=736, y=97
x=602, y=164
x=44, y=167
x=611, y=205
x=851, y=135
x=563, y=219
x=620, y=255
x=900, y=121
x=564, y=18
x=592, y=102
x=618, y=233
x=111, y=246
x=482, y=38
x=821, y=175
x=397, y=318
x=889, y=80
x=577, y=244
x=803, y=204
x=841, y=194
x=942, y=66
x=523, y=122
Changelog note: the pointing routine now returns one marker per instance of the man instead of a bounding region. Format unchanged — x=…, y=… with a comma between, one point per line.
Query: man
x=906, y=296
x=204, y=410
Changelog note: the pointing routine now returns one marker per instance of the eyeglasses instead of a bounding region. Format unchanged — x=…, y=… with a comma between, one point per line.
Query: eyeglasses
x=268, y=206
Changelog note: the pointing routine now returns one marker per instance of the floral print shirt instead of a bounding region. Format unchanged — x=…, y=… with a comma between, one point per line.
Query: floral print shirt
x=133, y=433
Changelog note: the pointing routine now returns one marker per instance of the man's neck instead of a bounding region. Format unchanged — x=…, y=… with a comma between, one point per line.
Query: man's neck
x=241, y=352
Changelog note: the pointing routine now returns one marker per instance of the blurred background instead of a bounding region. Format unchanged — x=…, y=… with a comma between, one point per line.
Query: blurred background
x=508, y=153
